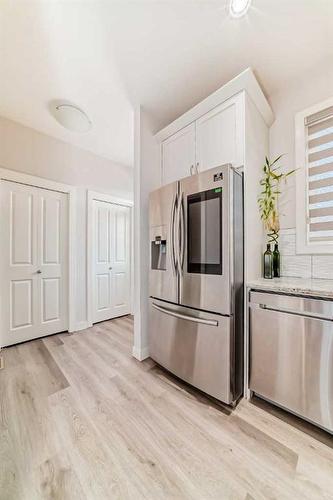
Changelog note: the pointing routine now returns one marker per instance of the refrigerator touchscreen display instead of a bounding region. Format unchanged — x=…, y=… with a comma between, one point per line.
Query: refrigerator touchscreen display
x=204, y=232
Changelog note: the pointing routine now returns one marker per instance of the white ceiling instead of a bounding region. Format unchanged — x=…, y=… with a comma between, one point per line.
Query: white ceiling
x=165, y=55
x=61, y=50
x=172, y=54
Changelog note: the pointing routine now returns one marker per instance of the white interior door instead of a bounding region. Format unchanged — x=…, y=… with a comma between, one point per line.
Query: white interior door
x=34, y=262
x=111, y=260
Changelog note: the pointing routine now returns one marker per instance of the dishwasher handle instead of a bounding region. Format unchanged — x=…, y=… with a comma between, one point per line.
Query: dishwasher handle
x=210, y=322
x=305, y=314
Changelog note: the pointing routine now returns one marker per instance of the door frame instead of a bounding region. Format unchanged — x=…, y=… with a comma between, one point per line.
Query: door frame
x=96, y=196
x=39, y=182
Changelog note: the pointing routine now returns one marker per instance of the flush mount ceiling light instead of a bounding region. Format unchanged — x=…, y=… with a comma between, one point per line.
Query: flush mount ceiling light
x=238, y=8
x=71, y=117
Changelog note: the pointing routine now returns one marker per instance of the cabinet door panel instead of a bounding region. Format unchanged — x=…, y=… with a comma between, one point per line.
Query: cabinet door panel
x=178, y=155
x=218, y=137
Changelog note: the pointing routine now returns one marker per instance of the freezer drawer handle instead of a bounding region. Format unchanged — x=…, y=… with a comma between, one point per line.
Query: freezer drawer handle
x=295, y=313
x=210, y=322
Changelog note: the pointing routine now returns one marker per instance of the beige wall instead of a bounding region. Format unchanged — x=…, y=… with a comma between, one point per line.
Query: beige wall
x=147, y=178
x=303, y=93
x=31, y=152
x=306, y=91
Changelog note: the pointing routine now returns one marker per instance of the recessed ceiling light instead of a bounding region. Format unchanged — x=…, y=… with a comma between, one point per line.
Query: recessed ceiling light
x=238, y=8
x=71, y=117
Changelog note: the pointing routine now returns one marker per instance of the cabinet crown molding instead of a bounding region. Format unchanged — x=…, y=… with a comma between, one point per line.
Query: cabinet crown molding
x=245, y=81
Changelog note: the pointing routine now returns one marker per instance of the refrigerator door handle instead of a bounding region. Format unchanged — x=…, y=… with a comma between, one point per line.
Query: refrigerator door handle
x=210, y=322
x=181, y=245
x=172, y=234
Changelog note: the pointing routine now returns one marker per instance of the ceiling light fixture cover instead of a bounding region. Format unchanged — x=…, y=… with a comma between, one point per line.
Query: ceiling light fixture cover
x=238, y=8
x=71, y=117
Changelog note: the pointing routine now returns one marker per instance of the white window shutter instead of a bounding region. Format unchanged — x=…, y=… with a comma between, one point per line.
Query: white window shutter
x=314, y=179
x=319, y=164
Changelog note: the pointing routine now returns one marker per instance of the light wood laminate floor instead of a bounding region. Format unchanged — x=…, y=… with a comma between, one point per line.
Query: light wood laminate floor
x=82, y=419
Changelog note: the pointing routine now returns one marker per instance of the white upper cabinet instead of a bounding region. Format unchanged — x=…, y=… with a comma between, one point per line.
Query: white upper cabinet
x=218, y=136
x=178, y=155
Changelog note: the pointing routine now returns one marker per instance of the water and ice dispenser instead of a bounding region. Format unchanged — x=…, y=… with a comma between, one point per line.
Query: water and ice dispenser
x=158, y=253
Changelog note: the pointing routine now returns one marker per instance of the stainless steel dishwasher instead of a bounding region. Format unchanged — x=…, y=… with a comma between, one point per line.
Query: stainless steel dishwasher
x=291, y=354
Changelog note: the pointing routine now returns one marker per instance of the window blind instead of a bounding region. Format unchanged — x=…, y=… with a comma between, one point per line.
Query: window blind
x=319, y=157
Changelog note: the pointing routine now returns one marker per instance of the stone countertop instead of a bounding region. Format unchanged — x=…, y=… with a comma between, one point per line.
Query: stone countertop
x=299, y=286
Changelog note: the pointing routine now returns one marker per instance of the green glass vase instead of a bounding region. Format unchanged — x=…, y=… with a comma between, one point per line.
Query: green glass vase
x=268, y=263
x=276, y=261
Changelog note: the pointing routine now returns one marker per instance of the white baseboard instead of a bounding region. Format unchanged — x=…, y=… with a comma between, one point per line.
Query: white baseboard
x=81, y=325
x=140, y=354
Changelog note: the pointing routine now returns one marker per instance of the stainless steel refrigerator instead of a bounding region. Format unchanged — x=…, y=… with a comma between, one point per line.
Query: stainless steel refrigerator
x=196, y=281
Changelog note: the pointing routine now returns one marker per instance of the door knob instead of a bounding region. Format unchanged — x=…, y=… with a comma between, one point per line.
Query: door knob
x=39, y=271
x=110, y=268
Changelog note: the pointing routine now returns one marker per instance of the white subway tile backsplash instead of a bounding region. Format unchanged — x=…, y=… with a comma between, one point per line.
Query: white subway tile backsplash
x=288, y=230
x=301, y=266
x=296, y=266
x=287, y=243
x=322, y=266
